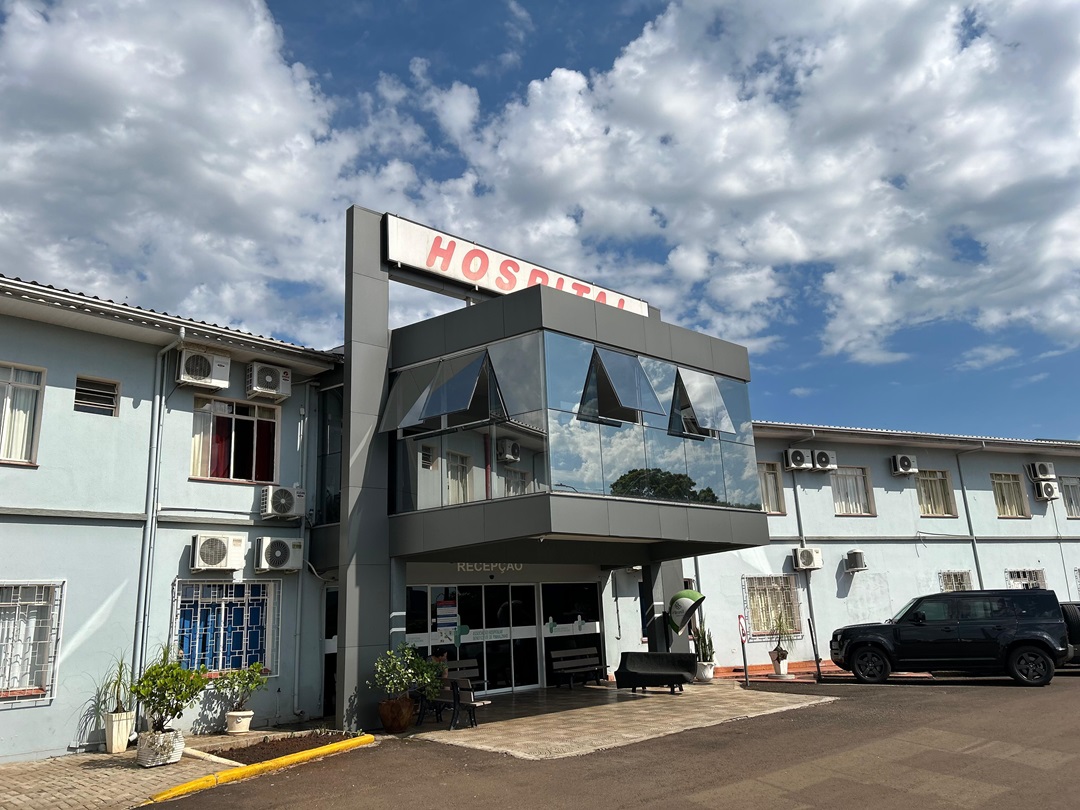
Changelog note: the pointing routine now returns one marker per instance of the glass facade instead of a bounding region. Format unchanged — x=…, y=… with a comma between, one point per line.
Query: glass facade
x=544, y=411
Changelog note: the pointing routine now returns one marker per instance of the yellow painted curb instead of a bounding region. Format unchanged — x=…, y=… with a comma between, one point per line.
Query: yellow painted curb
x=245, y=771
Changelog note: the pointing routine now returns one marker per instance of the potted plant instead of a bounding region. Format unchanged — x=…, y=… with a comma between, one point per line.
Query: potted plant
x=784, y=635
x=398, y=673
x=236, y=687
x=703, y=644
x=165, y=688
x=120, y=718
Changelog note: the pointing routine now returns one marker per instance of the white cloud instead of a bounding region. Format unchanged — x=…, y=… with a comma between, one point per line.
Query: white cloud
x=1024, y=382
x=802, y=392
x=984, y=356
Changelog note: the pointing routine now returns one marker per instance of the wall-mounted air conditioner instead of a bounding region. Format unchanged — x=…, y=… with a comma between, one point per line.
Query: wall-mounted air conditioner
x=903, y=464
x=806, y=558
x=203, y=369
x=282, y=502
x=1046, y=490
x=796, y=459
x=269, y=382
x=279, y=554
x=824, y=460
x=508, y=450
x=1041, y=471
x=855, y=560
x=218, y=552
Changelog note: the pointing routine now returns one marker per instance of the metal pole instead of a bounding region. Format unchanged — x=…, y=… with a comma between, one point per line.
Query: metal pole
x=742, y=640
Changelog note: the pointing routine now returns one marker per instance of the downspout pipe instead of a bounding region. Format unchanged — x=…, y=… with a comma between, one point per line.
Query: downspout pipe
x=802, y=544
x=153, y=481
x=305, y=538
x=967, y=510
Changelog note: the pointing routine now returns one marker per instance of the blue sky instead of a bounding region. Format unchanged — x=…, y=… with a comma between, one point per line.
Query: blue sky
x=880, y=202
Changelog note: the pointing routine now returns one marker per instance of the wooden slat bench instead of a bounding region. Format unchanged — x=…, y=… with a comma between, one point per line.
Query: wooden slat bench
x=583, y=663
x=457, y=694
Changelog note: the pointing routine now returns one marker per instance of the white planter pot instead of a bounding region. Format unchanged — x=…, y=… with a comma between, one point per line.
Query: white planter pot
x=118, y=726
x=706, y=670
x=238, y=722
x=159, y=748
x=779, y=666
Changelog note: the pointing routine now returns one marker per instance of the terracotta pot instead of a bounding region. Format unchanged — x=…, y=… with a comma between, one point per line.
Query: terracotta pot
x=396, y=714
x=238, y=722
x=118, y=726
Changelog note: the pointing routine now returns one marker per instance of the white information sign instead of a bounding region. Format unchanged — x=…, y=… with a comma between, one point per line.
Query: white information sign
x=472, y=265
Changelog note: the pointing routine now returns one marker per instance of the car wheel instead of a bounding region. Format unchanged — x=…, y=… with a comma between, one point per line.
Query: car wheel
x=1030, y=666
x=870, y=665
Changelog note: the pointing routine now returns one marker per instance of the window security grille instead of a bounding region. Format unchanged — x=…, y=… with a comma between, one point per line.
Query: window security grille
x=764, y=597
x=30, y=617
x=955, y=580
x=1024, y=578
x=226, y=625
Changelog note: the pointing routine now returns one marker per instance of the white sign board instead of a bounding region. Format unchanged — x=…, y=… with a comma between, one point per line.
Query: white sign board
x=472, y=265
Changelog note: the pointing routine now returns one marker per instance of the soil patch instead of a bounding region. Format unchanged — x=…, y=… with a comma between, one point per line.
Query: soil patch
x=281, y=746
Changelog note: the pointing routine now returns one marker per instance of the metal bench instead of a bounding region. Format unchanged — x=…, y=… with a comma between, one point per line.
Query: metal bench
x=584, y=663
x=647, y=669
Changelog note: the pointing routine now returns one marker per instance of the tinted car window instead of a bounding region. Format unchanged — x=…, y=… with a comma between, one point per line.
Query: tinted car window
x=1036, y=606
x=937, y=610
x=986, y=607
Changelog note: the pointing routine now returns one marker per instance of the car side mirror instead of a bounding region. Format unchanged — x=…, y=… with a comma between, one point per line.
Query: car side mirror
x=919, y=617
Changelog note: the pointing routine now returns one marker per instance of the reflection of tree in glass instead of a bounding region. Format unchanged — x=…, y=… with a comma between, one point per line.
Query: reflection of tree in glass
x=661, y=485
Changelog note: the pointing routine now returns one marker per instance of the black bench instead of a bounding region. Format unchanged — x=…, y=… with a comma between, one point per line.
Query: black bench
x=457, y=694
x=584, y=663
x=647, y=669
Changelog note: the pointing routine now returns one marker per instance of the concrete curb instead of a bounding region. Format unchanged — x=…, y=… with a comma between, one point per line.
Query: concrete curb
x=245, y=771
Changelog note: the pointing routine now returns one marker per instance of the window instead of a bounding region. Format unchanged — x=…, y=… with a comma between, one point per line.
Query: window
x=96, y=396
x=617, y=390
x=935, y=493
x=20, y=411
x=765, y=597
x=1025, y=578
x=1009, y=495
x=955, y=580
x=1070, y=494
x=29, y=640
x=851, y=491
x=234, y=440
x=772, y=493
x=457, y=471
x=516, y=482
x=226, y=625
x=427, y=457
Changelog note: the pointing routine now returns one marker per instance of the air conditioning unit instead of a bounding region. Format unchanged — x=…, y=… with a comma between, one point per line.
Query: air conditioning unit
x=904, y=465
x=1046, y=490
x=508, y=450
x=795, y=459
x=203, y=369
x=218, y=552
x=279, y=554
x=855, y=561
x=269, y=382
x=283, y=502
x=806, y=559
x=824, y=460
x=1041, y=471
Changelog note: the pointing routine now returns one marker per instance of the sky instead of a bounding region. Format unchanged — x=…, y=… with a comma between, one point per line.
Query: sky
x=881, y=201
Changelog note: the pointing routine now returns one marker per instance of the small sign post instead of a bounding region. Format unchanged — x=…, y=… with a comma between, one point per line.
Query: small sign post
x=742, y=640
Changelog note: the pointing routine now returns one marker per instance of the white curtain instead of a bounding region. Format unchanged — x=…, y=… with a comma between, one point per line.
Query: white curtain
x=849, y=491
x=17, y=419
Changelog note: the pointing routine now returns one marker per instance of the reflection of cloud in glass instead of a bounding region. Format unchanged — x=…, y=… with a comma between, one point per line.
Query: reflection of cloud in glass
x=575, y=453
x=705, y=399
x=662, y=377
x=621, y=449
x=740, y=476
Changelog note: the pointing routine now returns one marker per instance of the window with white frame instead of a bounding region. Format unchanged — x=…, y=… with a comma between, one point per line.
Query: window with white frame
x=1009, y=495
x=955, y=580
x=21, y=390
x=427, y=457
x=935, y=493
x=226, y=625
x=236, y=441
x=30, y=615
x=772, y=491
x=457, y=478
x=1070, y=494
x=851, y=491
x=1025, y=578
x=766, y=598
x=515, y=482
x=97, y=396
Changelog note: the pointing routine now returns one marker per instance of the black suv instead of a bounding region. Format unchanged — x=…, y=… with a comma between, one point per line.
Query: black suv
x=1018, y=632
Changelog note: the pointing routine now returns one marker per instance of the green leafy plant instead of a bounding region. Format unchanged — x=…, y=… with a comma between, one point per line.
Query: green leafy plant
x=784, y=634
x=238, y=685
x=403, y=669
x=703, y=642
x=165, y=688
x=117, y=686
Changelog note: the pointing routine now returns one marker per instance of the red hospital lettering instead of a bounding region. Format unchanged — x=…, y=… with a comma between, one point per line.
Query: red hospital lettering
x=537, y=276
x=601, y=297
x=439, y=252
x=479, y=259
x=508, y=271
x=580, y=289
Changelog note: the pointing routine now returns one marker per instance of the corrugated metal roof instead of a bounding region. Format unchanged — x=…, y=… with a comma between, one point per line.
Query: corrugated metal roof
x=914, y=435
